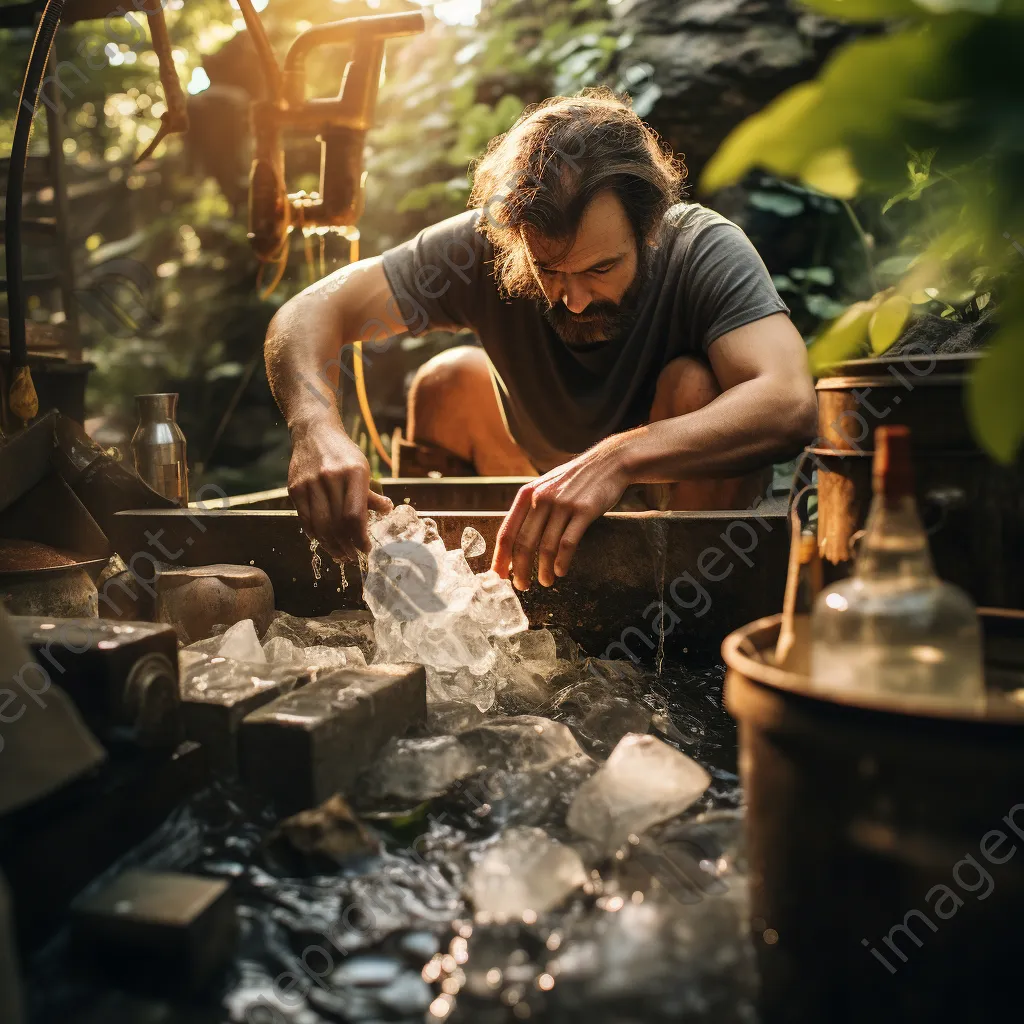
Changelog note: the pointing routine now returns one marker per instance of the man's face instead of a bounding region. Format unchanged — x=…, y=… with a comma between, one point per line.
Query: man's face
x=592, y=287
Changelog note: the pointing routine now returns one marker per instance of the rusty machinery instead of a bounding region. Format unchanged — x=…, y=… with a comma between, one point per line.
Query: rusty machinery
x=340, y=123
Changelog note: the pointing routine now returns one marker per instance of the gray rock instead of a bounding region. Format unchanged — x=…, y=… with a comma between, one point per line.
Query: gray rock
x=697, y=68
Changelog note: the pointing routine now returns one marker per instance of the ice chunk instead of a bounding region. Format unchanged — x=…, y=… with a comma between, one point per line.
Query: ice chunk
x=241, y=643
x=453, y=716
x=339, y=629
x=430, y=607
x=496, y=607
x=323, y=658
x=644, y=781
x=214, y=678
x=523, y=743
x=414, y=770
x=280, y=651
x=525, y=870
x=603, y=706
x=473, y=543
x=402, y=524
x=461, y=687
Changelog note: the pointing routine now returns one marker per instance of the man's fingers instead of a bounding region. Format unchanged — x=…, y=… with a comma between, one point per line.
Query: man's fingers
x=343, y=545
x=380, y=503
x=570, y=541
x=549, y=545
x=353, y=513
x=509, y=530
x=524, y=547
x=322, y=519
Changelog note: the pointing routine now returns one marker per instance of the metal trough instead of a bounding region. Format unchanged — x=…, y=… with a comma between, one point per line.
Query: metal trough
x=640, y=579
x=462, y=493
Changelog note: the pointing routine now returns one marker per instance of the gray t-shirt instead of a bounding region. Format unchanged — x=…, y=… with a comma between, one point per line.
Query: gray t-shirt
x=706, y=279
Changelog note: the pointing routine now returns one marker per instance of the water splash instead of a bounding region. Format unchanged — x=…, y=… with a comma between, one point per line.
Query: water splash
x=317, y=561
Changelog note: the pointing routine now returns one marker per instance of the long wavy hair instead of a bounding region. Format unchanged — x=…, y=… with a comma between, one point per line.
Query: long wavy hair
x=553, y=161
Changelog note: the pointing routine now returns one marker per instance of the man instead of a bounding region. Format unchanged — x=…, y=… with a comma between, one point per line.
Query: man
x=625, y=340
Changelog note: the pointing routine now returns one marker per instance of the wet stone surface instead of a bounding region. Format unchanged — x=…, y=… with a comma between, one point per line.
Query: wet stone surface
x=656, y=933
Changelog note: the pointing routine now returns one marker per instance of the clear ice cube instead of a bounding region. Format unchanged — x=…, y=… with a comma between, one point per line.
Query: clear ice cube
x=281, y=651
x=644, y=781
x=524, y=870
x=418, y=769
x=523, y=743
x=473, y=543
x=241, y=643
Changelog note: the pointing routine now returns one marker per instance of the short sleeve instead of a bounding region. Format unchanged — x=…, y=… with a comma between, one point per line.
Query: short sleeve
x=727, y=283
x=439, y=277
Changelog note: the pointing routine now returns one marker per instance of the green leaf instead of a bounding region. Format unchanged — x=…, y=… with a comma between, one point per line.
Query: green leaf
x=993, y=394
x=867, y=10
x=823, y=306
x=832, y=172
x=887, y=322
x=847, y=337
x=821, y=275
x=774, y=202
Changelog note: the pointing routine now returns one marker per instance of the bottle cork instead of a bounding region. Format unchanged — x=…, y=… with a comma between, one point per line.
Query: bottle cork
x=893, y=470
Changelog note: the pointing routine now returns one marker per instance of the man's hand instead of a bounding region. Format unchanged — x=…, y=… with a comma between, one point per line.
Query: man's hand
x=329, y=482
x=551, y=514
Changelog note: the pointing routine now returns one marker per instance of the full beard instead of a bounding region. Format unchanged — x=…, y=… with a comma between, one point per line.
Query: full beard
x=602, y=321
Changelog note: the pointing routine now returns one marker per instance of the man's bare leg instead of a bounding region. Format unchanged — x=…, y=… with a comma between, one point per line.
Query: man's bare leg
x=452, y=404
x=684, y=386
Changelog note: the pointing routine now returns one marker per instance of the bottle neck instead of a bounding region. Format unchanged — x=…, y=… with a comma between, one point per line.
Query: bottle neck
x=894, y=545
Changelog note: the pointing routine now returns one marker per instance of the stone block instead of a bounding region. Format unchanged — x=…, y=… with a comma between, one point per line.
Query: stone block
x=311, y=743
x=157, y=929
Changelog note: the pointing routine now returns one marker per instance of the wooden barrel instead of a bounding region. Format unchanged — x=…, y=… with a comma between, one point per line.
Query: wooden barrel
x=972, y=507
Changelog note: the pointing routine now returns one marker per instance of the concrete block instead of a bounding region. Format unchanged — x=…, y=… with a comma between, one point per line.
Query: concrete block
x=157, y=929
x=311, y=743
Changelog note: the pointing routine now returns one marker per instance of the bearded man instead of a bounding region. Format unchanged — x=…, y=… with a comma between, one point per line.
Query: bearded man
x=625, y=338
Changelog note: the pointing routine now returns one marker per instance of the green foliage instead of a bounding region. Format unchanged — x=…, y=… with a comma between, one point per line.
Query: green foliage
x=928, y=114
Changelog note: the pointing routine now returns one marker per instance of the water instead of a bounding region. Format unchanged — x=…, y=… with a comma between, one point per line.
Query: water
x=655, y=934
x=484, y=890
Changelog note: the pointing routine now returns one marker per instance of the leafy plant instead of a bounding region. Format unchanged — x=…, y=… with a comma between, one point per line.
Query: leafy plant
x=928, y=114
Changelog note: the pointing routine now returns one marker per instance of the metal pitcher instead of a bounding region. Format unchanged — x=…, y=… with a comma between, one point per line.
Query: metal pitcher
x=158, y=447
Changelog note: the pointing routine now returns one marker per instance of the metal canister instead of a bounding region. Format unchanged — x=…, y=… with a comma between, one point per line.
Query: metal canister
x=158, y=447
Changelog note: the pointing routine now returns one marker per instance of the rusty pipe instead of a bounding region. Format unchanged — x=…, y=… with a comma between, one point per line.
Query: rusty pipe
x=371, y=31
x=264, y=51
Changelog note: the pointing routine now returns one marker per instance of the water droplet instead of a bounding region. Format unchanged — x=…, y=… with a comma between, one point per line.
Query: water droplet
x=317, y=561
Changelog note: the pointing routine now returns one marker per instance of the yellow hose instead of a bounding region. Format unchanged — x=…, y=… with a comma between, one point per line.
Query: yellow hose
x=364, y=404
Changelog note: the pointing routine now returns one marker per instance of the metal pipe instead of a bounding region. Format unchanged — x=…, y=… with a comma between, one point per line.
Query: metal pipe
x=264, y=51
x=24, y=403
x=369, y=29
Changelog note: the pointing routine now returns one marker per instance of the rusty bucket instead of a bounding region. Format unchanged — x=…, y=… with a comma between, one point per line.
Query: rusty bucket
x=972, y=508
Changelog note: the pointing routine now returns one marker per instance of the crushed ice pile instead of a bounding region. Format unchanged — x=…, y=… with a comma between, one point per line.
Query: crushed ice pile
x=292, y=649
x=430, y=607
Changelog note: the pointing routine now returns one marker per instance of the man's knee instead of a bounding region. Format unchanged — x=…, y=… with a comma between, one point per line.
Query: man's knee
x=448, y=377
x=684, y=385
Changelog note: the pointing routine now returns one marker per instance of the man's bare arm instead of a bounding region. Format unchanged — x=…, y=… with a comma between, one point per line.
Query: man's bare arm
x=305, y=350
x=766, y=411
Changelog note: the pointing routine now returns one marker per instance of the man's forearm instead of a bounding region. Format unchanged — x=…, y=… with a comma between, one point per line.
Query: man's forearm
x=301, y=350
x=746, y=427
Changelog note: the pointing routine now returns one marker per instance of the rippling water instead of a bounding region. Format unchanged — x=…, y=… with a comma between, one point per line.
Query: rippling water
x=657, y=933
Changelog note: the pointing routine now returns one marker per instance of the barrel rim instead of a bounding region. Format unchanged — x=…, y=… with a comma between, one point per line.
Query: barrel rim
x=750, y=682
x=955, y=364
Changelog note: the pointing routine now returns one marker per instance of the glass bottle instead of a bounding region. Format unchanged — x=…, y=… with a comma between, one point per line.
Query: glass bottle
x=894, y=629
